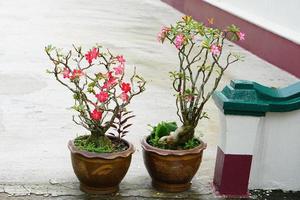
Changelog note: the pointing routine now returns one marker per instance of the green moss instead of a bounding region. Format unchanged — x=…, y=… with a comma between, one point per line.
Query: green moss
x=82, y=143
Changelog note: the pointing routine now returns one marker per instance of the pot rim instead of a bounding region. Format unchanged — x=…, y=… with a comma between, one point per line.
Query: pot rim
x=109, y=156
x=148, y=147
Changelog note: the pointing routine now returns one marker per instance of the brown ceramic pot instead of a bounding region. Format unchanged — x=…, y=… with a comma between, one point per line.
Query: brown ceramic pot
x=100, y=173
x=172, y=170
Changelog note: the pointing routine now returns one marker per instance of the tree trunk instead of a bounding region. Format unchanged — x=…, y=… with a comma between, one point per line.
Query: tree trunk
x=99, y=139
x=179, y=137
x=185, y=133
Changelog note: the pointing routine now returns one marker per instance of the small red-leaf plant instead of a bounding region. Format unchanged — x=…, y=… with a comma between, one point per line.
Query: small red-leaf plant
x=101, y=95
x=121, y=124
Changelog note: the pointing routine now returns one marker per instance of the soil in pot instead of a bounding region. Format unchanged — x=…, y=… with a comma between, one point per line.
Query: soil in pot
x=100, y=173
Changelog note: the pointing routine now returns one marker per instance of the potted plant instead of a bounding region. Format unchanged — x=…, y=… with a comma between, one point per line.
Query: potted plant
x=101, y=96
x=173, y=154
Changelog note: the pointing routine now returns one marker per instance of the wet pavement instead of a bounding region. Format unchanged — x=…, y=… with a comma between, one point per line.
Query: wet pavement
x=35, y=124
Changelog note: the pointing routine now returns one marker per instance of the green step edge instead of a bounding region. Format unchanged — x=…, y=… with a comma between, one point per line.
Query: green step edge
x=244, y=97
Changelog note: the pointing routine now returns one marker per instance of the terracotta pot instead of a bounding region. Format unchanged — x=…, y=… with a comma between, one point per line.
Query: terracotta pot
x=100, y=173
x=172, y=170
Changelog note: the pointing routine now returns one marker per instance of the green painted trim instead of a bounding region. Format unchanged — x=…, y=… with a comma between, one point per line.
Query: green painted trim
x=250, y=98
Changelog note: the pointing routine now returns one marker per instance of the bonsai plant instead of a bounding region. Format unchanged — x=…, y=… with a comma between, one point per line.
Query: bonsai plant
x=101, y=97
x=202, y=63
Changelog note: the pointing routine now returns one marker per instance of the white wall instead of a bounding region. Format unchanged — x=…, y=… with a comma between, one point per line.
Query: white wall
x=279, y=16
x=273, y=141
x=276, y=159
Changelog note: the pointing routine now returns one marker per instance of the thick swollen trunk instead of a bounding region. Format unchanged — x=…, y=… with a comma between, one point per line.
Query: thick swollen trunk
x=184, y=134
x=179, y=137
x=99, y=139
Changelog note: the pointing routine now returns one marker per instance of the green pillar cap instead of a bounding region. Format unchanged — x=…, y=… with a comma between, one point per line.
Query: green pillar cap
x=243, y=97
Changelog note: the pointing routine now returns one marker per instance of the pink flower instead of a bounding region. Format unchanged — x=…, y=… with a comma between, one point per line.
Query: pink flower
x=241, y=35
x=96, y=115
x=125, y=87
x=109, y=75
x=102, y=96
x=179, y=41
x=111, y=78
x=110, y=82
x=215, y=50
x=92, y=54
x=121, y=59
x=66, y=72
x=162, y=34
x=124, y=97
x=76, y=73
x=119, y=70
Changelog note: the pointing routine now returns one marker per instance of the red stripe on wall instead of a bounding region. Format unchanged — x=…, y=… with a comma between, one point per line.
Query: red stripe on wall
x=271, y=47
x=232, y=173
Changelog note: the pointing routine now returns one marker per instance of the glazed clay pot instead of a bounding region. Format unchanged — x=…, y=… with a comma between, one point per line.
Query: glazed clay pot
x=172, y=170
x=100, y=173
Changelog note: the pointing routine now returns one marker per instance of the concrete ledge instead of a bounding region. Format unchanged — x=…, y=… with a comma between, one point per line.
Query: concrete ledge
x=71, y=190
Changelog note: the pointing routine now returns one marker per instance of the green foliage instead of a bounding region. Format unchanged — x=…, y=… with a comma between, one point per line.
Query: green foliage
x=238, y=56
x=160, y=130
x=49, y=48
x=192, y=143
x=164, y=129
x=233, y=28
x=191, y=28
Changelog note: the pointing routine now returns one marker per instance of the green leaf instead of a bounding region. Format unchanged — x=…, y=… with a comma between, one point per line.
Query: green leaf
x=172, y=126
x=76, y=96
x=49, y=48
x=205, y=115
x=206, y=44
x=164, y=128
x=188, y=91
x=238, y=56
x=233, y=28
x=75, y=107
x=90, y=90
x=92, y=84
x=161, y=131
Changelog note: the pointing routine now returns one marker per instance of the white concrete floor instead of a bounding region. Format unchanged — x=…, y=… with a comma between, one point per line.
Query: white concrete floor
x=35, y=125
